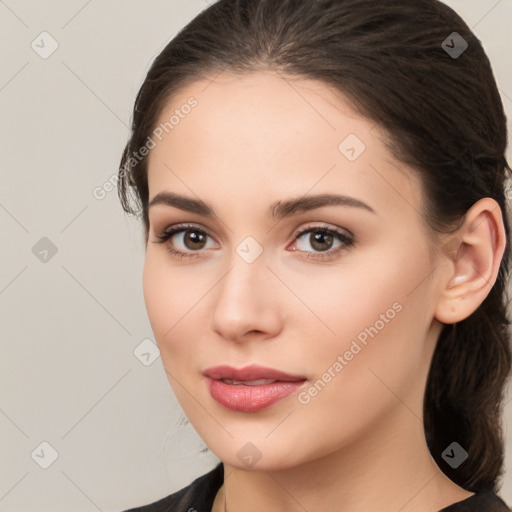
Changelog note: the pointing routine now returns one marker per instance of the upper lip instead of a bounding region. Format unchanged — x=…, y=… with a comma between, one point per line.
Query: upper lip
x=248, y=373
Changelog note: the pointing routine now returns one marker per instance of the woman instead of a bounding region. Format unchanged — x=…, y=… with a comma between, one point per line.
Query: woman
x=322, y=189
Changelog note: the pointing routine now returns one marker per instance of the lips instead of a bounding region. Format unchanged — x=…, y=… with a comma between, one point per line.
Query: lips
x=249, y=373
x=252, y=388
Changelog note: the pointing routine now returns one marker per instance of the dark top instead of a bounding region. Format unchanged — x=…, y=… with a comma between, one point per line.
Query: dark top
x=200, y=494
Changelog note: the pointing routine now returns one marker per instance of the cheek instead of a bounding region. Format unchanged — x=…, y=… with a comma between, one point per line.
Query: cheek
x=155, y=298
x=377, y=297
x=364, y=292
x=169, y=298
x=381, y=318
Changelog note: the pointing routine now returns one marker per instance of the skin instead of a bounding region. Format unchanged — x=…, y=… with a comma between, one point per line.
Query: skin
x=255, y=139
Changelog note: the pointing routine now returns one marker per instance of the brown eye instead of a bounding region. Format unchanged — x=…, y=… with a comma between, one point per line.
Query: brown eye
x=322, y=240
x=188, y=240
x=194, y=240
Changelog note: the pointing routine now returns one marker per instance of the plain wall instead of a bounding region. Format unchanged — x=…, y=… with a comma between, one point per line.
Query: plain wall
x=71, y=321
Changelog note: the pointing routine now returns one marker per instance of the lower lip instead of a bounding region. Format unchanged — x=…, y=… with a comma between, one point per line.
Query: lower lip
x=251, y=398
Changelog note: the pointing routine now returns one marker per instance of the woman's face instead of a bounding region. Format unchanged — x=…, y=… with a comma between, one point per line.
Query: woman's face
x=347, y=314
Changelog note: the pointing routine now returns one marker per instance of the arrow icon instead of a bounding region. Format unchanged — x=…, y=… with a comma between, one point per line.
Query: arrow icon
x=44, y=250
x=454, y=455
x=454, y=45
x=249, y=455
x=351, y=147
x=249, y=249
x=44, y=455
x=146, y=352
x=44, y=45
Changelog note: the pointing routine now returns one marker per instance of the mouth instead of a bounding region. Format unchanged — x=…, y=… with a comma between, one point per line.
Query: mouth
x=248, y=374
x=258, y=382
x=252, y=388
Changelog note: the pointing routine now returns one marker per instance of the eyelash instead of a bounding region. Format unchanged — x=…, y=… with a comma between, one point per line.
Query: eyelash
x=347, y=241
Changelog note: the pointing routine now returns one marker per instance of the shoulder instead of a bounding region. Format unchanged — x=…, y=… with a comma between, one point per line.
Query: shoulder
x=196, y=497
x=483, y=501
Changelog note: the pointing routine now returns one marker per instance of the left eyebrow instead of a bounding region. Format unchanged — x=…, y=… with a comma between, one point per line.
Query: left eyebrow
x=277, y=210
x=280, y=210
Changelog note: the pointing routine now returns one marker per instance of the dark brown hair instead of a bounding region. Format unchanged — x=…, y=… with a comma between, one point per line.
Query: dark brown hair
x=444, y=117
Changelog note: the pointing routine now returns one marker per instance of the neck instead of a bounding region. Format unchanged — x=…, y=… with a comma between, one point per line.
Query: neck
x=388, y=468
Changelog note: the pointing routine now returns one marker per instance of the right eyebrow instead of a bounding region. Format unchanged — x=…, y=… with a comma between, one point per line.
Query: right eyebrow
x=183, y=203
x=277, y=210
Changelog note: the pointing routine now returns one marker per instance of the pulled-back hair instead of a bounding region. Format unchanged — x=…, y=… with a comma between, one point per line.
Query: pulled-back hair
x=444, y=117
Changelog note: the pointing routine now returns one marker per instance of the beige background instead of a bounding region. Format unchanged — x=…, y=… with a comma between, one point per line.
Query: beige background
x=70, y=324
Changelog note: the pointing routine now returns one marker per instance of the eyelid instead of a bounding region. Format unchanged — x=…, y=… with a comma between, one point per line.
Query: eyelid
x=296, y=232
x=345, y=236
x=179, y=228
x=319, y=226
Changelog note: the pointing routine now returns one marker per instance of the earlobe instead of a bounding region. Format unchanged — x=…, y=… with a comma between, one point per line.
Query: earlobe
x=474, y=258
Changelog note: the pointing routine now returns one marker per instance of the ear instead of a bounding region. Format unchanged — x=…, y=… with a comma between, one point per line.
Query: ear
x=473, y=255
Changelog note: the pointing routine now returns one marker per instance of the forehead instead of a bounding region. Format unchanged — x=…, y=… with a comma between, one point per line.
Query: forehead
x=272, y=134
x=261, y=111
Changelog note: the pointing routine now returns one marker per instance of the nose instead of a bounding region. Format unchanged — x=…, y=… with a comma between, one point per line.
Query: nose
x=246, y=302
